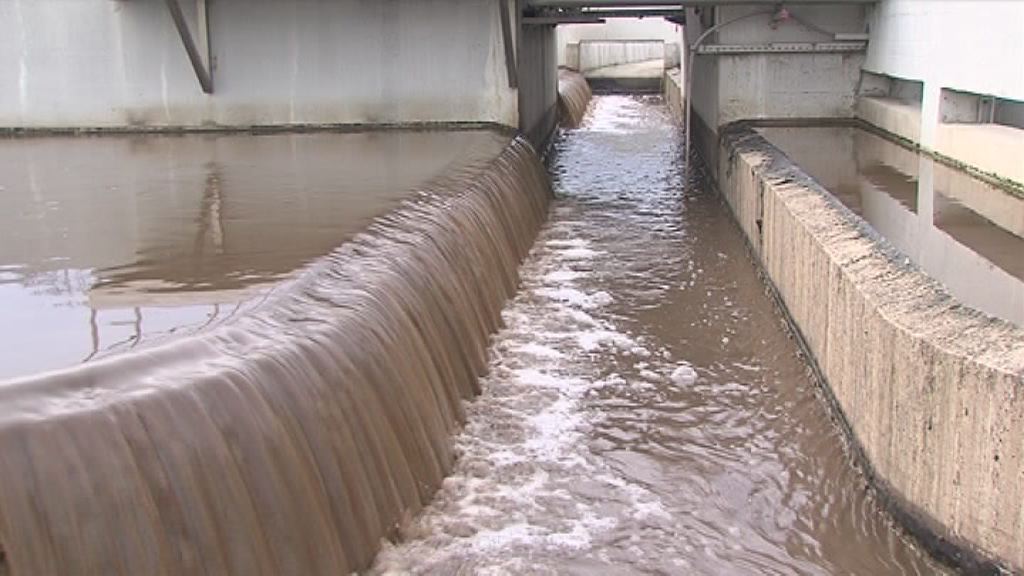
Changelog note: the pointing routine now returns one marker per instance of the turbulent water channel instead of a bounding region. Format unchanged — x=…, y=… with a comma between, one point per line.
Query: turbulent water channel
x=644, y=410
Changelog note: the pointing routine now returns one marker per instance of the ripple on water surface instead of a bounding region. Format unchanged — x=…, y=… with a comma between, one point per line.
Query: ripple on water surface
x=644, y=410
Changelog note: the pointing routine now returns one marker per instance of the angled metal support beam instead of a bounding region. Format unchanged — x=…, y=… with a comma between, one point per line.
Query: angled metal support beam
x=199, y=56
x=507, y=39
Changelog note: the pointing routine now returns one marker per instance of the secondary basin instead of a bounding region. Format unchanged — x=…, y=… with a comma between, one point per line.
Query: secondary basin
x=965, y=233
x=110, y=241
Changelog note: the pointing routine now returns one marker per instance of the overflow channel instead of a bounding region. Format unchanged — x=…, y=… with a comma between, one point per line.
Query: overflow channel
x=644, y=410
x=288, y=439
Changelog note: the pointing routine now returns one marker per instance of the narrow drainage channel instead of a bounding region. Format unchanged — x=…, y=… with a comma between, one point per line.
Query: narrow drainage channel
x=645, y=411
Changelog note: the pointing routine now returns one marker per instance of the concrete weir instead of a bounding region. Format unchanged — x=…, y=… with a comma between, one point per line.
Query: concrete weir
x=573, y=97
x=293, y=438
x=930, y=391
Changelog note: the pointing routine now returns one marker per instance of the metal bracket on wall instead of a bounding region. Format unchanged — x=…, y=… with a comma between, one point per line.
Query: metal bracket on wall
x=507, y=39
x=198, y=55
x=783, y=48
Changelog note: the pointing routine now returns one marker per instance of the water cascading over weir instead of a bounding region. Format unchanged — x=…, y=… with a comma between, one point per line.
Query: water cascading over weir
x=291, y=439
x=574, y=96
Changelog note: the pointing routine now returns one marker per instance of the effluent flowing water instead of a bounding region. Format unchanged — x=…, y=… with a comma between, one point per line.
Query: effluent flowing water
x=239, y=354
x=644, y=410
x=290, y=437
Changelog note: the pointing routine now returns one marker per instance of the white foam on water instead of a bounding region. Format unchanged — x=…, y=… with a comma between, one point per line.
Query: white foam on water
x=684, y=375
x=524, y=449
x=562, y=275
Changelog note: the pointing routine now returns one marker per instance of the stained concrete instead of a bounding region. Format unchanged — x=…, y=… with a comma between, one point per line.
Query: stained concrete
x=990, y=148
x=672, y=86
x=733, y=87
x=570, y=36
x=892, y=115
x=121, y=64
x=538, y=84
x=598, y=55
x=930, y=391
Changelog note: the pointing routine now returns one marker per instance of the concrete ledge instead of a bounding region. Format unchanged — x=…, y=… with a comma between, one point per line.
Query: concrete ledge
x=8, y=132
x=990, y=148
x=891, y=115
x=931, y=393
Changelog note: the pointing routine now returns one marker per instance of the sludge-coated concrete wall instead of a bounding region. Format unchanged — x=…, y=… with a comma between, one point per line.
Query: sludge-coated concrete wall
x=107, y=63
x=932, y=393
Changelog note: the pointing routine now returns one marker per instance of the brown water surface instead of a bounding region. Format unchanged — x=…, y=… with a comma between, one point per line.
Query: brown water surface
x=644, y=411
x=965, y=233
x=289, y=440
x=108, y=242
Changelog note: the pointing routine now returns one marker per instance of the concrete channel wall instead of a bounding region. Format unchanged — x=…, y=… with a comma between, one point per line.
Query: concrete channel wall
x=931, y=392
x=614, y=30
x=950, y=45
x=596, y=54
x=730, y=87
x=106, y=63
x=538, y=84
x=672, y=91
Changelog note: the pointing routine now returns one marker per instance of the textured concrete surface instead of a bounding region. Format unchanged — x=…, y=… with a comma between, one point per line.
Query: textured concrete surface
x=121, y=64
x=673, y=93
x=645, y=69
x=960, y=44
x=932, y=392
x=538, y=84
x=615, y=29
x=596, y=54
x=913, y=40
x=727, y=88
x=891, y=115
x=988, y=147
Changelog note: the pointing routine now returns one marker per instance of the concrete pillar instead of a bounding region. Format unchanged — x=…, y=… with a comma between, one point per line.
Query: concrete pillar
x=930, y=101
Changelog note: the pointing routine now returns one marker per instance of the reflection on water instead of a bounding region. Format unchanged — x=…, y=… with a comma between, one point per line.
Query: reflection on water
x=110, y=241
x=967, y=234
